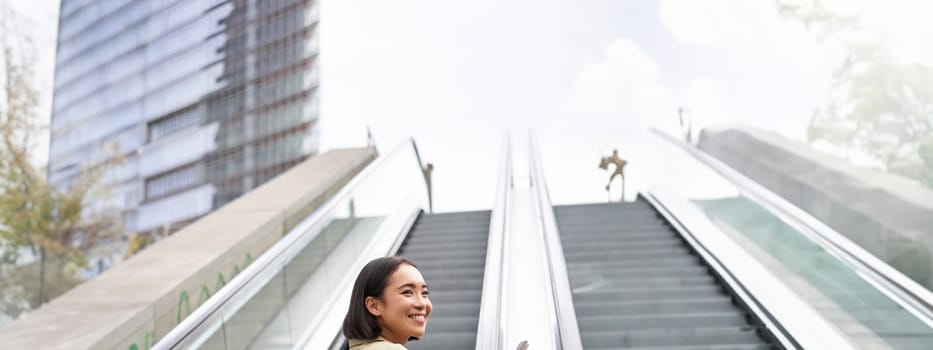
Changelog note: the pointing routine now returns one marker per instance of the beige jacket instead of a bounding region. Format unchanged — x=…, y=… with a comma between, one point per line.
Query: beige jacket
x=379, y=343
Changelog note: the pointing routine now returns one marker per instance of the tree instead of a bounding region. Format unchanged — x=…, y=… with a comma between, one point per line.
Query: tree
x=881, y=106
x=50, y=223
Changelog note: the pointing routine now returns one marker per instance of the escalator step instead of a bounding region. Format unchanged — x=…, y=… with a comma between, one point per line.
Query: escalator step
x=637, y=284
x=656, y=307
x=677, y=293
x=658, y=337
x=454, y=268
x=449, y=341
x=677, y=270
x=751, y=346
x=661, y=261
x=456, y=310
x=731, y=318
x=450, y=250
x=449, y=323
x=455, y=283
x=430, y=247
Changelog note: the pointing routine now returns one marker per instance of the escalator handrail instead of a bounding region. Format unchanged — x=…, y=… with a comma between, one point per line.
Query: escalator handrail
x=340, y=341
x=257, y=270
x=489, y=330
x=731, y=282
x=427, y=184
x=568, y=330
x=905, y=291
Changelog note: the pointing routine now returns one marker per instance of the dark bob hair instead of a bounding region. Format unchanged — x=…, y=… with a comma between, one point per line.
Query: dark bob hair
x=371, y=282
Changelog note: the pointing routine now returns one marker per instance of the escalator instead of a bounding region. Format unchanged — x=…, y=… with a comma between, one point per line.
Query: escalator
x=295, y=295
x=450, y=250
x=648, y=274
x=637, y=284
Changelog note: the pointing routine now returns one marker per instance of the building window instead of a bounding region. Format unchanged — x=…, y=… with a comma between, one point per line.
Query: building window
x=176, y=122
x=174, y=181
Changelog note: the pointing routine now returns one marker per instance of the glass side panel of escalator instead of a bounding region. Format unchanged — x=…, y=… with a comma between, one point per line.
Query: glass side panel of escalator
x=637, y=284
x=870, y=317
x=450, y=250
x=275, y=308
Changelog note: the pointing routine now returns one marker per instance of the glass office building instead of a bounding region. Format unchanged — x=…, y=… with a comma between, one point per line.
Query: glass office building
x=203, y=100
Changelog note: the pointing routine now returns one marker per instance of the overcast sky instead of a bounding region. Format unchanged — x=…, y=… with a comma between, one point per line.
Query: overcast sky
x=34, y=27
x=589, y=76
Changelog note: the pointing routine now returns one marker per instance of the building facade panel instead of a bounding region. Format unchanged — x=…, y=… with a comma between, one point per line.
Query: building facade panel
x=182, y=148
x=202, y=99
x=181, y=207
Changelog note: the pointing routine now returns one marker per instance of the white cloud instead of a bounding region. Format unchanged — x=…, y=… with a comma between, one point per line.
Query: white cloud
x=901, y=25
x=705, y=103
x=754, y=28
x=711, y=22
x=611, y=105
x=621, y=92
x=451, y=75
x=898, y=24
x=760, y=59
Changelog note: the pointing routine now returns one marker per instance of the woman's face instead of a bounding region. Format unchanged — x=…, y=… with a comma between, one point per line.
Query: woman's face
x=404, y=309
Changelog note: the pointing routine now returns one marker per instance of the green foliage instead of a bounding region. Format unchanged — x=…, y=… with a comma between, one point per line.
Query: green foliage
x=137, y=243
x=926, y=153
x=882, y=107
x=21, y=287
x=35, y=216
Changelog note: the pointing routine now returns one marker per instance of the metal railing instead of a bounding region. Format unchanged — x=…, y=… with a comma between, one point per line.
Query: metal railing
x=568, y=332
x=209, y=318
x=813, y=283
x=911, y=295
x=745, y=297
x=489, y=330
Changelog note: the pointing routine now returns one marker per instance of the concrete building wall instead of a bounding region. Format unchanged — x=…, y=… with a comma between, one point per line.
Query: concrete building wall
x=137, y=302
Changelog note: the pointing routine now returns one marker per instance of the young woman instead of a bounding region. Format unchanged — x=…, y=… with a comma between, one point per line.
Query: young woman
x=388, y=307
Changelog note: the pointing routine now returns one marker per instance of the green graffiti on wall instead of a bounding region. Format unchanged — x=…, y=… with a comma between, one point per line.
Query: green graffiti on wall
x=183, y=307
x=182, y=300
x=150, y=339
x=220, y=281
x=205, y=294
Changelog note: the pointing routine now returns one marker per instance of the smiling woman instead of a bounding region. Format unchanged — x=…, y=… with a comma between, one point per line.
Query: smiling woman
x=389, y=305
